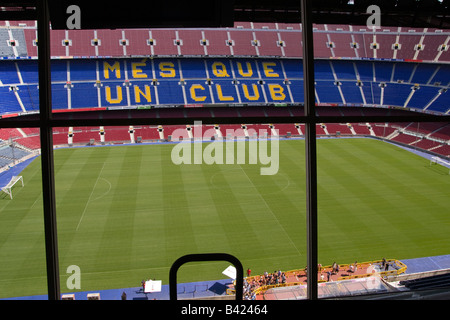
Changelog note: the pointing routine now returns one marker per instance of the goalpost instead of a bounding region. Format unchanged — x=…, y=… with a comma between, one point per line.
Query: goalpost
x=440, y=161
x=8, y=188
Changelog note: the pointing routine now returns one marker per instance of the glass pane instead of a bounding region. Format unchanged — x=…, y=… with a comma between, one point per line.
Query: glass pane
x=18, y=74
x=22, y=244
x=132, y=200
x=382, y=195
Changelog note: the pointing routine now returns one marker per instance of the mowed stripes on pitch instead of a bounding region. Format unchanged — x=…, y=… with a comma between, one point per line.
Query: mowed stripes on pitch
x=375, y=198
x=126, y=213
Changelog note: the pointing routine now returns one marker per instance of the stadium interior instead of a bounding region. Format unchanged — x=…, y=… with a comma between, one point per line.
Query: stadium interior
x=140, y=84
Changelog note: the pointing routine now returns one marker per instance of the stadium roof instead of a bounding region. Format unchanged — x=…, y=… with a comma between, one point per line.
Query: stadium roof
x=410, y=13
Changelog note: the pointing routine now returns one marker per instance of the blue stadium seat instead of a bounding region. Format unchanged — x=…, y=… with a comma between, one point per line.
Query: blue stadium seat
x=193, y=68
x=12, y=153
x=365, y=70
x=8, y=101
x=351, y=92
x=322, y=70
x=170, y=92
x=383, y=71
x=375, y=92
x=344, y=70
x=293, y=69
x=83, y=70
x=83, y=95
x=297, y=91
x=403, y=71
x=29, y=95
x=395, y=94
x=8, y=73
x=442, y=76
x=59, y=96
x=442, y=103
x=29, y=71
x=423, y=73
x=59, y=71
x=328, y=92
x=184, y=81
x=368, y=90
x=423, y=96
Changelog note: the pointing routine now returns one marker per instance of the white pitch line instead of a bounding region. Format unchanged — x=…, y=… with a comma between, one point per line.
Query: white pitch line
x=90, y=196
x=273, y=214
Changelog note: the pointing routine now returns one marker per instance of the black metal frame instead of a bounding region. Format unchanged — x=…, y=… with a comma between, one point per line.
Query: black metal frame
x=206, y=257
x=310, y=149
x=46, y=136
x=46, y=121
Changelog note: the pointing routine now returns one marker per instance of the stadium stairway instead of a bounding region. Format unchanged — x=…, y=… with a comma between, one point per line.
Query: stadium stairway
x=436, y=281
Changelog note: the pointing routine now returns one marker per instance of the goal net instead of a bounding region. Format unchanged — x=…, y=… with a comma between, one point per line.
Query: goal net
x=437, y=160
x=8, y=188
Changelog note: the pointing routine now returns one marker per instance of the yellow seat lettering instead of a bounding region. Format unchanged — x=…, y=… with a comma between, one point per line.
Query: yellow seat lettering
x=113, y=68
x=276, y=92
x=118, y=98
x=269, y=72
x=138, y=93
x=167, y=70
x=194, y=96
x=220, y=70
x=136, y=71
x=255, y=95
x=247, y=73
x=221, y=96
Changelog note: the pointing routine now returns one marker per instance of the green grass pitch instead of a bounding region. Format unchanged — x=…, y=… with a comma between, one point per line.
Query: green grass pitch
x=126, y=213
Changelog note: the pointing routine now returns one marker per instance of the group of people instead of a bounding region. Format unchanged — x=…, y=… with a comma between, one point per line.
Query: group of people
x=249, y=290
x=267, y=279
x=253, y=283
x=335, y=268
x=278, y=277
